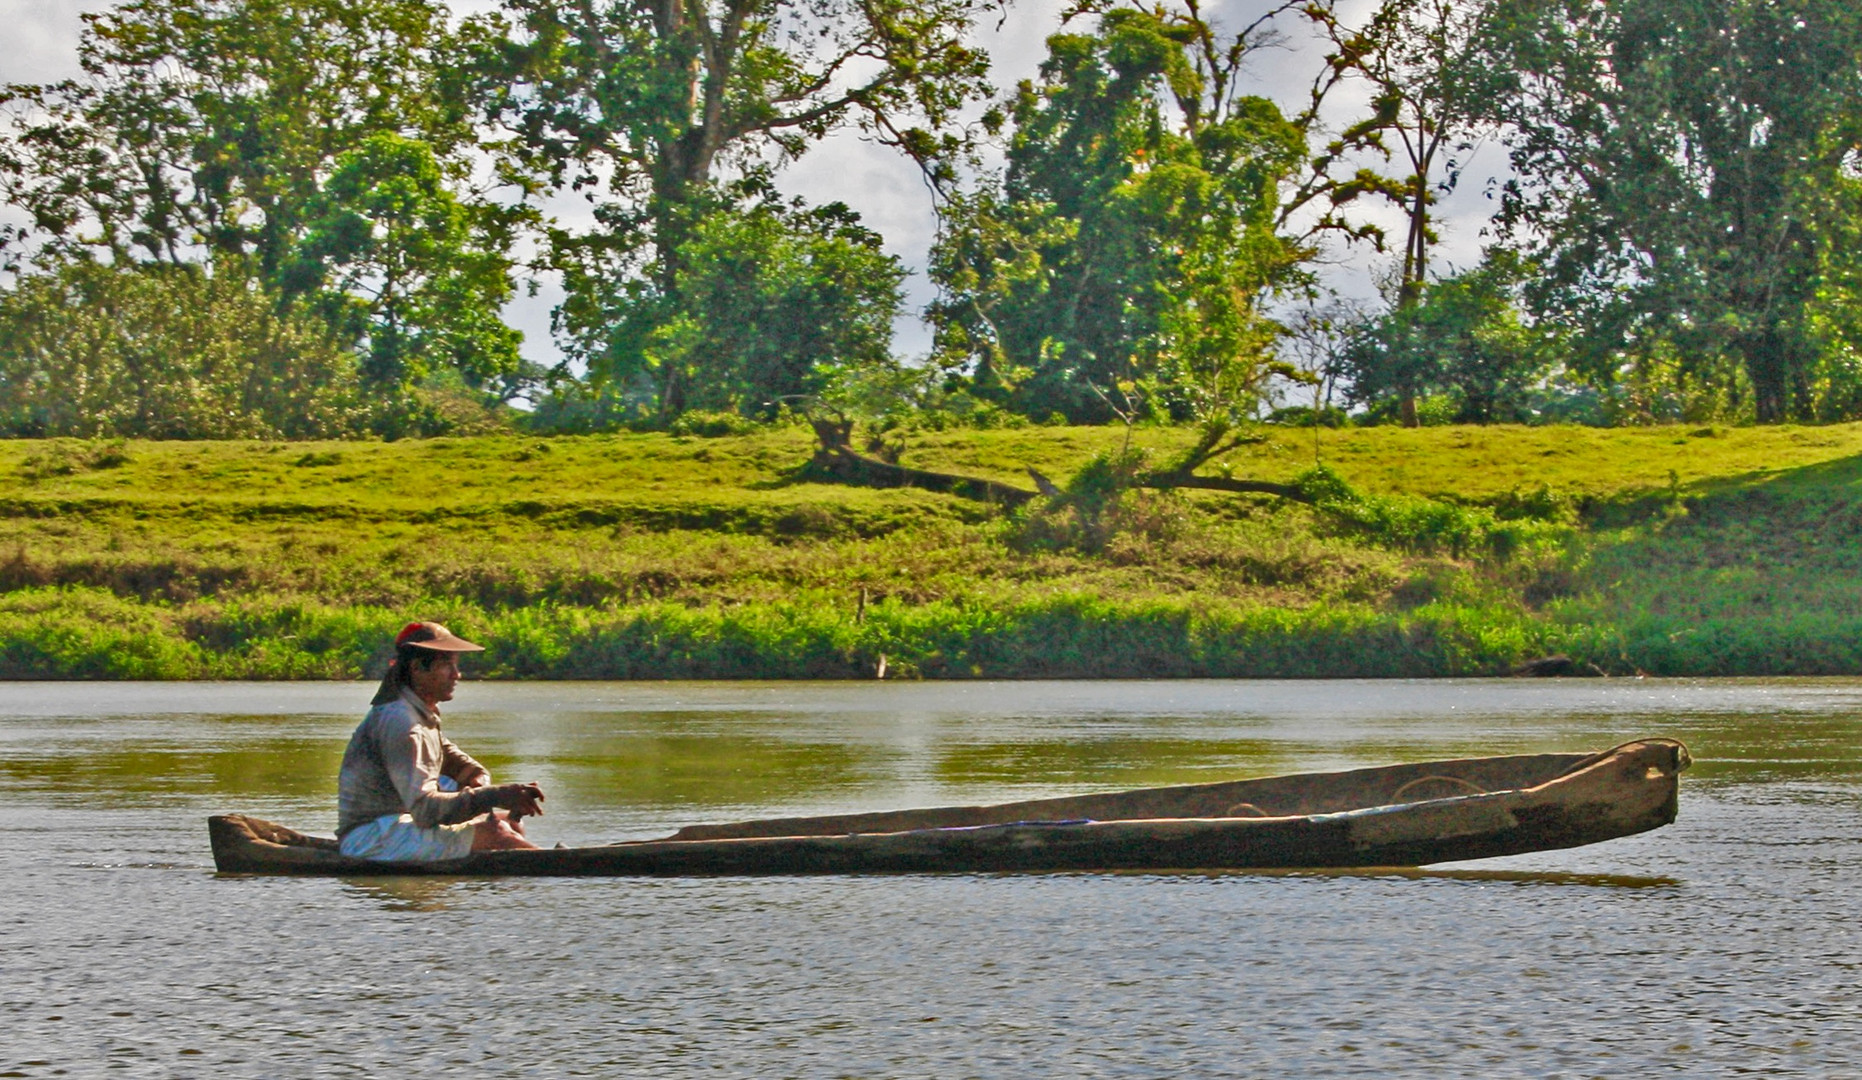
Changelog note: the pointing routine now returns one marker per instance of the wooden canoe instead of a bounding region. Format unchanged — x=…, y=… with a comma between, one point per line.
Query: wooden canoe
x=1397, y=815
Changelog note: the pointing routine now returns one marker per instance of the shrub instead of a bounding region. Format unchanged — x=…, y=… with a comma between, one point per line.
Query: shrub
x=709, y=424
x=168, y=352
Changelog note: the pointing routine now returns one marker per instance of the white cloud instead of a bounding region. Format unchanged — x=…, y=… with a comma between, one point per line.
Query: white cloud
x=44, y=36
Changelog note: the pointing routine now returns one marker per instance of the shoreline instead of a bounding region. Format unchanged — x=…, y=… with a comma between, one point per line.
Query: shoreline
x=1068, y=638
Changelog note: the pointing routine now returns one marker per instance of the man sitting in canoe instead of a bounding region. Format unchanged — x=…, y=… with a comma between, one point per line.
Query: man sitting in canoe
x=406, y=793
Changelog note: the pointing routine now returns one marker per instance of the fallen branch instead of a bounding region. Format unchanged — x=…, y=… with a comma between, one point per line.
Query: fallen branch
x=844, y=464
x=1164, y=481
x=836, y=459
x=1223, y=483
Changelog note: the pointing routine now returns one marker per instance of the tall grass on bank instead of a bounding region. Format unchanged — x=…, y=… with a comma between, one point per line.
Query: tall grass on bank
x=89, y=634
x=79, y=633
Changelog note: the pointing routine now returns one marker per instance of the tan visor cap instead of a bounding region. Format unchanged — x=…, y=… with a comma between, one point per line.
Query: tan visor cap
x=431, y=635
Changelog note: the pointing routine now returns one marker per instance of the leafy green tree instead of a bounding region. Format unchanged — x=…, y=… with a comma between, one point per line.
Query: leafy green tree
x=213, y=123
x=1461, y=336
x=168, y=352
x=418, y=273
x=1835, y=312
x=1133, y=233
x=992, y=265
x=213, y=130
x=1673, y=160
x=650, y=110
x=776, y=299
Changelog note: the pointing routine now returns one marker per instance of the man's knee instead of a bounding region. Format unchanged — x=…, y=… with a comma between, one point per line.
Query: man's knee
x=494, y=833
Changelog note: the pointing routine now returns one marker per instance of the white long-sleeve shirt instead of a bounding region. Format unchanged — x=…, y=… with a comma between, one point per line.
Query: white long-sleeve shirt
x=393, y=765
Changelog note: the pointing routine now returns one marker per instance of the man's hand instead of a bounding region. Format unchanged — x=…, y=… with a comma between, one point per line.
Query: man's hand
x=474, y=779
x=525, y=800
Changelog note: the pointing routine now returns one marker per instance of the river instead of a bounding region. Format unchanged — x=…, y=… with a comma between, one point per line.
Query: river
x=1725, y=944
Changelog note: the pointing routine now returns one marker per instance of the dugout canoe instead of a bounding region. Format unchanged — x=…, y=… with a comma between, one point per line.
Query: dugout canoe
x=1396, y=815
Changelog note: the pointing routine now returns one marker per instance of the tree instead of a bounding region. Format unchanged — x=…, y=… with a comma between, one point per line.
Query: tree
x=1462, y=335
x=209, y=131
x=650, y=109
x=1671, y=161
x=1319, y=337
x=168, y=352
x=1411, y=54
x=1835, y=312
x=1133, y=233
x=777, y=299
x=418, y=273
x=213, y=123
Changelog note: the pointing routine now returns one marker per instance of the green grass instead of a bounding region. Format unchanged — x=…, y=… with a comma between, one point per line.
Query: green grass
x=1443, y=551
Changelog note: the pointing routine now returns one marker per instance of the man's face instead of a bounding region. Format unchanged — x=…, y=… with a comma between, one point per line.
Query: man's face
x=434, y=682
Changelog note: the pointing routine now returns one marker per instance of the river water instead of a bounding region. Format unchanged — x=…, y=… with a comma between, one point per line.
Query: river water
x=1725, y=944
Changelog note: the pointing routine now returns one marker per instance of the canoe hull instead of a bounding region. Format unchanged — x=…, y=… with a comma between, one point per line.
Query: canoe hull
x=1629, y=790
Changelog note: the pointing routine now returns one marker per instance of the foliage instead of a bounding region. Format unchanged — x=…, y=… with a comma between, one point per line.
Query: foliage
x=63, y=457
x=1672, y=163
x=1133, y=234
x=770, y=300
x=1834, y=314
x=1460, y=335
x=213, y=122
x=419, y=273
x=82, y=634
x=442, y=404
x=302, y=218
x=1428, y=526
x=1411, y=56
x=890, y=396
x=576, y=407
x=321, y=147
x=1097, y=505
x=168, y=352
x=710, y=425
x=649, y=109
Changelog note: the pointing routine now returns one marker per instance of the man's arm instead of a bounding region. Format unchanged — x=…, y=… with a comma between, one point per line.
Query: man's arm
x=414, y=764
x=459, y=765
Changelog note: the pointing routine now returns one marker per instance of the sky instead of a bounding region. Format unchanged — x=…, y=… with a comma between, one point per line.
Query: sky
x=882, y=186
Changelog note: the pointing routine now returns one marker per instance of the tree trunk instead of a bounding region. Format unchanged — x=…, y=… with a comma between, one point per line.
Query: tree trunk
x=1767, y=360
x=1409, y=294
x=682, y=157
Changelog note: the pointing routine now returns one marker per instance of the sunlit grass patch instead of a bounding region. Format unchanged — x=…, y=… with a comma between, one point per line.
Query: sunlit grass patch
x=1433, y=551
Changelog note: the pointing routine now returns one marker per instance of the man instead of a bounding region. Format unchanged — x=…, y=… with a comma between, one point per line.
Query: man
x=406, y=793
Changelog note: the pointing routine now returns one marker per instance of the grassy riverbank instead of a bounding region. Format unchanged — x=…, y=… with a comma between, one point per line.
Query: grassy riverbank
x=1436, y=551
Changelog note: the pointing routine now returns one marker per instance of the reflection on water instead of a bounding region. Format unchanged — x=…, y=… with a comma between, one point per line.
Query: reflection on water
x=403, y=893
x=664, y=767
x=158, y=760
x=1724, y=943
